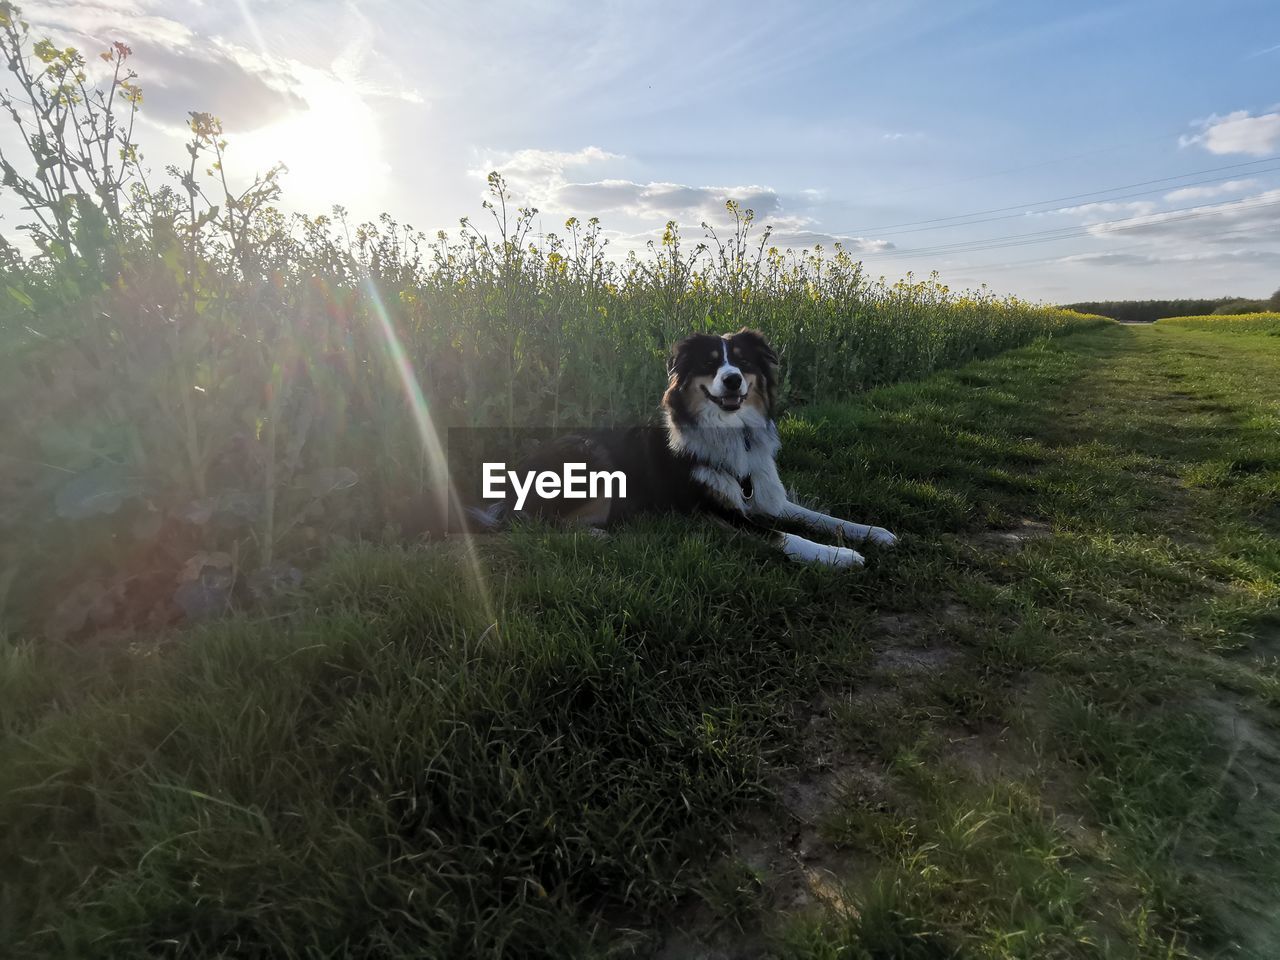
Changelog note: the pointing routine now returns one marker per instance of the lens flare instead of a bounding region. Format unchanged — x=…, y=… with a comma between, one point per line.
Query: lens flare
x=438, y=479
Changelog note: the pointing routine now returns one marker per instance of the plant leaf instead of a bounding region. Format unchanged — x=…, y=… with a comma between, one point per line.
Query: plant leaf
x=98, y=491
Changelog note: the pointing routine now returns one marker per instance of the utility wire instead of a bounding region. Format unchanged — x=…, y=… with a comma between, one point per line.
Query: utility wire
x=1044, y=236
x=1024, y=212
x=1027, y=166
x=1061, y=258
x=1074, y=196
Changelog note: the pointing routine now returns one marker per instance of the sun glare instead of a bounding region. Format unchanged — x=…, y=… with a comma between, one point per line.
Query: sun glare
x=333, y=147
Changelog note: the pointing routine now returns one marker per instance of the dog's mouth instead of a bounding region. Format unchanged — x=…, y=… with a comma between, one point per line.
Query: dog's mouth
x=727, y=404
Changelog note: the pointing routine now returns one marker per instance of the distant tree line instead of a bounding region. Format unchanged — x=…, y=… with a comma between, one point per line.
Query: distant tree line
x=1146, y=311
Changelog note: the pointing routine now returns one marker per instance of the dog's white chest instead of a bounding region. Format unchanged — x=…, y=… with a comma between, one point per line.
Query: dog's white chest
x=739, y=463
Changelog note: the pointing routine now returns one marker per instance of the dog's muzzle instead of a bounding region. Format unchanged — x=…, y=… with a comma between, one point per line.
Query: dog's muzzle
x=727, y=403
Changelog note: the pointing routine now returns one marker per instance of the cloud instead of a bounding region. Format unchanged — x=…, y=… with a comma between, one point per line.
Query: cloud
x=178, y=71
x=665, y=201
x=105, y=21
x=1251, y=220
x=1206, y=193
x=1205, y=258
x=215, y=79
x=352, y=65
x=1130, y=208
x=1115, y=259
x=786, y=237
x=1238, y=132
x=181, y=71
x=542, y=178
x=317, y=116
x=537, y=174
x=808, y=239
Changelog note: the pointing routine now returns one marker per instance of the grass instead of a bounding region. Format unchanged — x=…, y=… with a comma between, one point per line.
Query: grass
x=1056, y=741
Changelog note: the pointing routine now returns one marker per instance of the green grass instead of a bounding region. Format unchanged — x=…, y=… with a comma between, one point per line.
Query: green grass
x=1057, y=742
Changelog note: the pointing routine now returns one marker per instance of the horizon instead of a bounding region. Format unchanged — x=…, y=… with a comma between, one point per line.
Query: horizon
x=1071, y=158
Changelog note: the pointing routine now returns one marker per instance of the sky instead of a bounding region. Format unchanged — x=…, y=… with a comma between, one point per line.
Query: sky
x=1060, y=152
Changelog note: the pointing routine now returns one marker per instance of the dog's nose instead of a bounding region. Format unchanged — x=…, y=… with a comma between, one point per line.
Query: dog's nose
x=733, y=381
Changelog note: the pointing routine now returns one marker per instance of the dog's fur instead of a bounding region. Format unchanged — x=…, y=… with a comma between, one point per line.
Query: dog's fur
x=716, y=454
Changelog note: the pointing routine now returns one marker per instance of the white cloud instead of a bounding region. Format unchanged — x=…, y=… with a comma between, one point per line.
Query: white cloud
x=108, y=20
x=242, y=89
x=316, y=115
x=1206, y=193
x=1252, y=220
x=352, y=65
x=1113, y=259
x=1131, y=208
x=798, y=239
x=786, y=236
x=181, y=70
x=1125, y=259
x=1238, y=132
x=541, y=178
x=666, y=201
x=535, y=175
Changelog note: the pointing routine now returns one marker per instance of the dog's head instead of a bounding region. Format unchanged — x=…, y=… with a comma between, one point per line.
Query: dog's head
x=715, y=379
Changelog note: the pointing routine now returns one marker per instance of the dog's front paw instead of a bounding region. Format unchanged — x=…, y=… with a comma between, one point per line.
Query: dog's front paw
x=806, y=551
x=844, y=557
x=882, y=536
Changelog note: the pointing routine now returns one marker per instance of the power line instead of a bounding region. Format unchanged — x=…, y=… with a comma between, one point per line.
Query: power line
x=906, y=254
x=1055, y=259
x=1075, y=196
x=1028, y=166
x=1059, y=233
x=1023, y=212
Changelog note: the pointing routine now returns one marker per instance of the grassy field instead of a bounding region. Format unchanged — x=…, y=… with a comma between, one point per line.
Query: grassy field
x=1046, y=725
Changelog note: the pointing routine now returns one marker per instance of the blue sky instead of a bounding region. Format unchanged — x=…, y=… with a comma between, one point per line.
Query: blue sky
x=851, y=121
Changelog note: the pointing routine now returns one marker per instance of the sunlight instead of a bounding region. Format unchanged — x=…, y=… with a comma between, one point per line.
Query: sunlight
x=438, y=480
x=333, y=149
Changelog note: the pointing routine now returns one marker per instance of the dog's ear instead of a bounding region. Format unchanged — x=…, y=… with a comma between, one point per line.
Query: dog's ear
x=767, y=358
x=679, y=350
x=674, y=401
x=672, y=355
x=761, y=346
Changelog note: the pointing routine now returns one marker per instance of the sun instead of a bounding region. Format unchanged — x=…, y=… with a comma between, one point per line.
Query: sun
x=333, y=148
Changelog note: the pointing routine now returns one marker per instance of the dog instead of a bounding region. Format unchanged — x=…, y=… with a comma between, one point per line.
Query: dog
x=716, y=454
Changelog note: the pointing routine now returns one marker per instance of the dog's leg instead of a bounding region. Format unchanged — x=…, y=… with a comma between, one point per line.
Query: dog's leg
x=771, y=500
x=806, y=551
x=795, y=547
x=851, y=532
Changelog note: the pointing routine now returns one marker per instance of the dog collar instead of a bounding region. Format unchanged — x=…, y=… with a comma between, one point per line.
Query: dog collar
x=748, y=489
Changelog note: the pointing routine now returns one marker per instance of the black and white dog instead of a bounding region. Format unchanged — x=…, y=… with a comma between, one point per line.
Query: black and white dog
x=717, y=454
